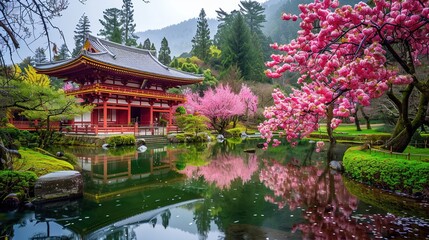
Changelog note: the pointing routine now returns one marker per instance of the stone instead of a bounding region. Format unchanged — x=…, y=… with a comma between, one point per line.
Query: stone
x=142, y=148
x=58, y=185
x=336, y=165
x=11, y=201
x=59, y=154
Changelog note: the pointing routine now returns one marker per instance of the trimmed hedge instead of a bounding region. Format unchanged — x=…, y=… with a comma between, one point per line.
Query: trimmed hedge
x=407, y=176
x=121, y=140
x=19, y=182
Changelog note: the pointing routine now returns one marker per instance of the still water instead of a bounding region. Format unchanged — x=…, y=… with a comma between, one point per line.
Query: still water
x=219, y=191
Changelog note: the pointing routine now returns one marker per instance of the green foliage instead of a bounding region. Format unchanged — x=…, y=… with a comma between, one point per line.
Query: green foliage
x=112, y=25
x=19, y=182
x=164, y=52
x=201, y=41
x=121, y=140
x=14, y=137
x=181, y=110
x=409, y=176
x=234, y=132
x=82, y=29
x=128, y=25
x=192, y=123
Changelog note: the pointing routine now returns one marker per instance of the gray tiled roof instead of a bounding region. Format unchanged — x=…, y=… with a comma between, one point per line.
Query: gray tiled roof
x=126, y=57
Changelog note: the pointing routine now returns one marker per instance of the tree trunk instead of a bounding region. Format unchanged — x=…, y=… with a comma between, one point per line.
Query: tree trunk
x=368, y=124
x=355, y=115
x=405, y=129
x=329, y=117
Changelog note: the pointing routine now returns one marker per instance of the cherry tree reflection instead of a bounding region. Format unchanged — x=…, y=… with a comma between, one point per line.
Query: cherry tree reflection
x=224, y=169
x=327, y=205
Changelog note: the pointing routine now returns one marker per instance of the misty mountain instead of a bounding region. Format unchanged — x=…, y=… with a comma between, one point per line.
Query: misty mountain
x=179, y=36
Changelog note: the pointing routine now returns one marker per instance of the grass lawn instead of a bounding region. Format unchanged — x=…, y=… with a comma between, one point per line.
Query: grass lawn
x=39, y=163
x=350, y=129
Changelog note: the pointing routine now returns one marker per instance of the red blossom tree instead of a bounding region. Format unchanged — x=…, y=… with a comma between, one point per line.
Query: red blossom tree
x=221, y=105
x=349, y=55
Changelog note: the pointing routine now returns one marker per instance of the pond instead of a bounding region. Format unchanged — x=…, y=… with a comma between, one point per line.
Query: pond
x=219, y=191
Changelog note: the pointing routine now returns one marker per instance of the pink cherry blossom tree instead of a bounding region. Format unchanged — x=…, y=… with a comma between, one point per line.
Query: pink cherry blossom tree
x=348, y=55
x=221, y=105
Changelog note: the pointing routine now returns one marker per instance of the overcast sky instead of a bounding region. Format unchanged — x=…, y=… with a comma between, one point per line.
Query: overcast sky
x=153, y=15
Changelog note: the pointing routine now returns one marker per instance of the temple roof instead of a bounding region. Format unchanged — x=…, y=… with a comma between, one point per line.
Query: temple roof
x=97, y=51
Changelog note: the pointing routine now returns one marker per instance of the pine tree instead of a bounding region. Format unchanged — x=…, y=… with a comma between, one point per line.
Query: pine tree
x=63, y=53
x=239, y=49
x=112, y=25
x=82, y=29
x=153, y=49
x=128, y=25
x=39, y=55
x=164, y=52
x=201, y=41
x=147, y=44
x=253, y=13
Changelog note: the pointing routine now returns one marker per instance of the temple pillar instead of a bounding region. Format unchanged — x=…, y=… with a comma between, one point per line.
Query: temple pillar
x=129, y=113
x=105, y=113
x=170, y=113
x=151, y=102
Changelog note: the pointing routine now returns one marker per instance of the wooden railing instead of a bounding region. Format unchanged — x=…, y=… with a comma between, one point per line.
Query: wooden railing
x=126, y=91
x=33, y=125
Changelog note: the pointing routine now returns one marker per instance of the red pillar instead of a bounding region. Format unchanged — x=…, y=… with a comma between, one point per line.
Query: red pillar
x=105, y=114
x=129, y=113
x=170, y=116
x=151, y=115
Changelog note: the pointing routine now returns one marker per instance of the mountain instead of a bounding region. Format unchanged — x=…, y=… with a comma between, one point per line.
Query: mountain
x=179, y=36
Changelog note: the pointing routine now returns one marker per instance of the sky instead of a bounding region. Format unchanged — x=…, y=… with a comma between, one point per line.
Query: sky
x=156, y=14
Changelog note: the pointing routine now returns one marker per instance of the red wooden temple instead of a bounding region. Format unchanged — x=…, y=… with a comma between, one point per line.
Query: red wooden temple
x=127, y=85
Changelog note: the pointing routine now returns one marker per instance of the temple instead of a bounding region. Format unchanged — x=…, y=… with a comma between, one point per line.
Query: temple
x=127, y=85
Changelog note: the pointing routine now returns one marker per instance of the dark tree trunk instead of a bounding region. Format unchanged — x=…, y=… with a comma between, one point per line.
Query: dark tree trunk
x=368, y=124
x=355, y=115
x=329, y=117
x=405, y=128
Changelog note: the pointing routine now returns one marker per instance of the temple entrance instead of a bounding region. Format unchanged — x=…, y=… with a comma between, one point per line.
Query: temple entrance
x=135, y=115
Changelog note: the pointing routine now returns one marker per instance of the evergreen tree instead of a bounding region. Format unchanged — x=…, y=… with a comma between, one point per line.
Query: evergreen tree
x=239, y=49
x=63, y=52
x=128, y=25
x=253, y=13
x=164, y=52
x=153, y=49
x=112, y=25
x=140, y=45
x=201, y=41
x=82, y=29
x=147, y=44
x=39, y=55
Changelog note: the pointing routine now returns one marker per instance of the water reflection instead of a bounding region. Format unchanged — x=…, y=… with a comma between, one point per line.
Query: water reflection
x=217, y=191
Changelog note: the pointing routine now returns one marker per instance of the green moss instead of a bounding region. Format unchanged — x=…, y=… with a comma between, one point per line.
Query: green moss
x=408, y=176
x=39, y=163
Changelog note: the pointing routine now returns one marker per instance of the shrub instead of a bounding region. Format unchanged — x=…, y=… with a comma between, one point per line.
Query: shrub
x=13, y=138
x=19, y=182
x=408, y=176
x=121, y=140
x=234, y=132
